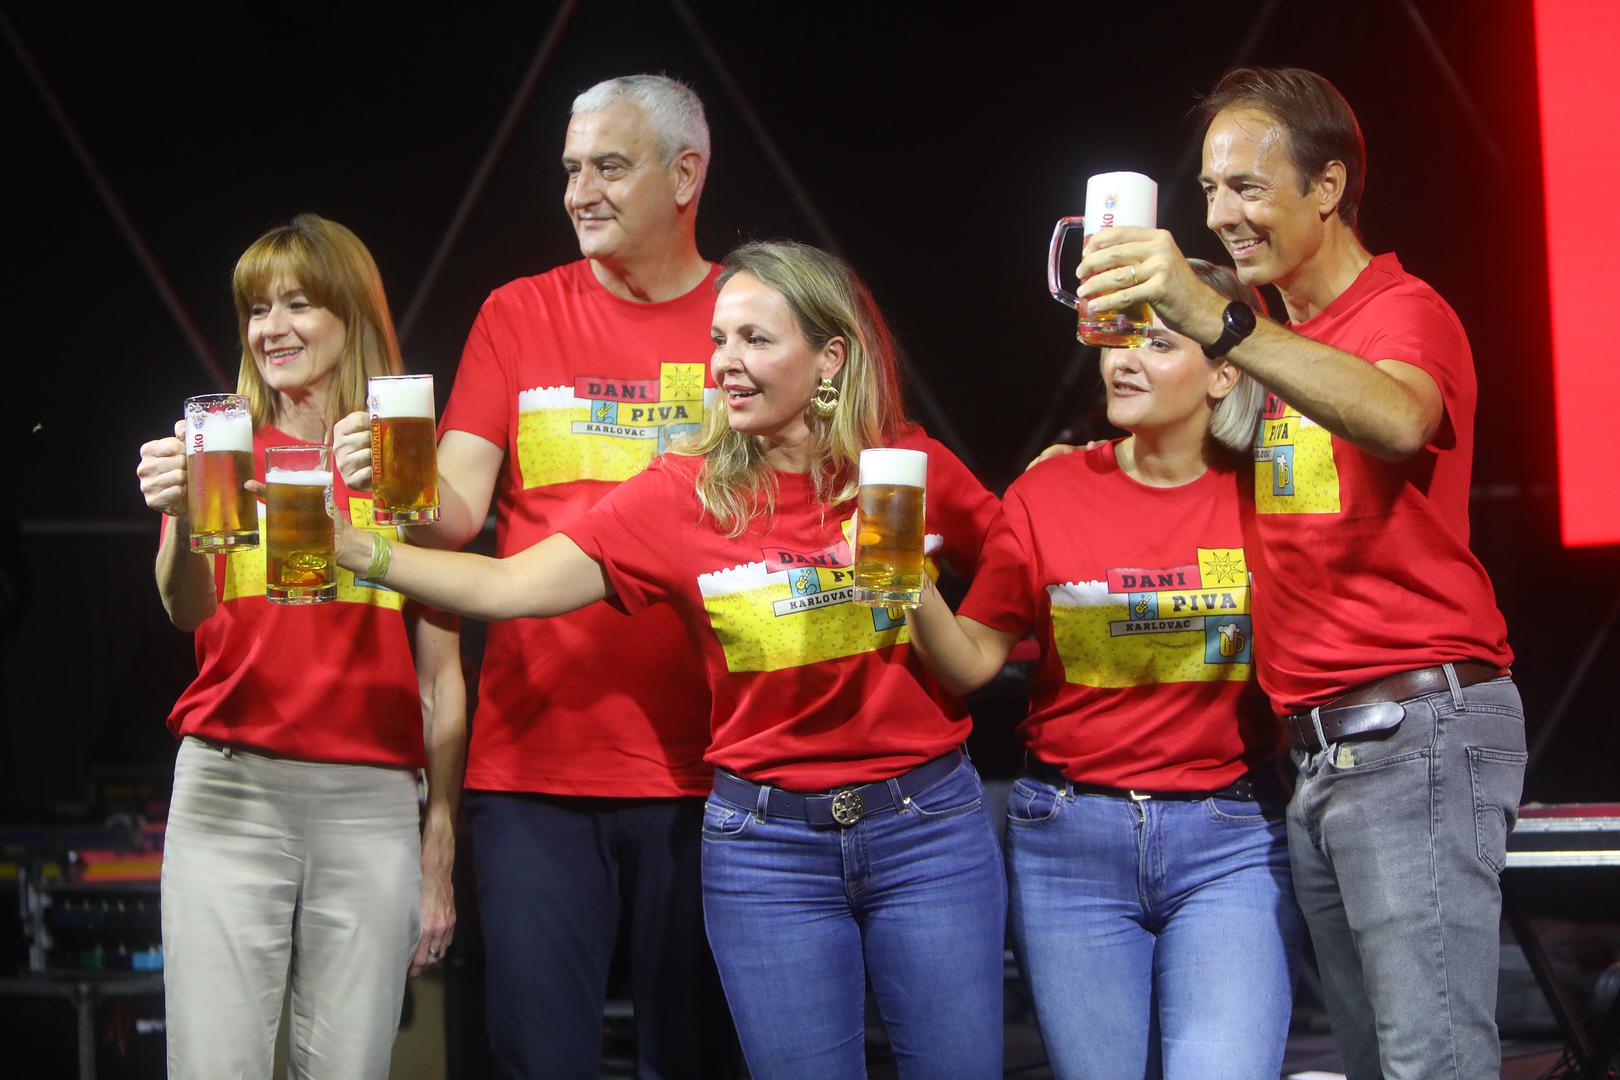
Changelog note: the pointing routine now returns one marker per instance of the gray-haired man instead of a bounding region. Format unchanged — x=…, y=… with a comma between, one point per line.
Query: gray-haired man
x=585, y=772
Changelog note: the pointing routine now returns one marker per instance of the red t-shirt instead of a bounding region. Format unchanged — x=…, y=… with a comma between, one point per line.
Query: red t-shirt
x=1361, y=566
x=810, y=690
x=1139, y=599
x=582, y=389
x=317, y=682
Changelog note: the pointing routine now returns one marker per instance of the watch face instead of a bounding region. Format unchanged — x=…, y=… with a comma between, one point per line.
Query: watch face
x=1239, y=318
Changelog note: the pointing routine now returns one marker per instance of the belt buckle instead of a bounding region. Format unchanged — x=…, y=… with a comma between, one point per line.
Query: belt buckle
x=1137, y=796
x=847, y=807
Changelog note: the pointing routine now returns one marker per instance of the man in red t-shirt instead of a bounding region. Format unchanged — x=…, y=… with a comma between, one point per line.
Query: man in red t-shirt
x=1383, y=648
x=585, y=774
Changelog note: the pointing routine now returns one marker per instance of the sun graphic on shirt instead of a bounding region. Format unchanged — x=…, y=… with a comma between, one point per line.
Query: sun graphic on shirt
x=1223, y=570
x=682, y=384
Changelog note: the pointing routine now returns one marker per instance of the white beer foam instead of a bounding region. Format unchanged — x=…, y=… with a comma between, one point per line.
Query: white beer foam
x=1121, y=198
x=540, y=398
x=744, y=577
x=1083, y=594
x=221, y=431
x=402, y=397
x=907, y=467
x=299, y=477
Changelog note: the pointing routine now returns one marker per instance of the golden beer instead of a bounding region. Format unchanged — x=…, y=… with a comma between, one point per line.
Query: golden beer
x=404, y=460
x=1113, y=200
x=224, y=516
x=1125, y=329
x=300, y=567
x=889, y=528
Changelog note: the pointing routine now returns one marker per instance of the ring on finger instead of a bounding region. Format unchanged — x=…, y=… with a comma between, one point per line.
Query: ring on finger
x=1132, y=269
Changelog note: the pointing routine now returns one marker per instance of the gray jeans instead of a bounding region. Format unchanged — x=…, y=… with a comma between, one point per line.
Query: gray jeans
x=1397, y=841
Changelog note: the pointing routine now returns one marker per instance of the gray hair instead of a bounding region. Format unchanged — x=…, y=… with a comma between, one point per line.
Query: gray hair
x=1232, y=423
x=675, y=110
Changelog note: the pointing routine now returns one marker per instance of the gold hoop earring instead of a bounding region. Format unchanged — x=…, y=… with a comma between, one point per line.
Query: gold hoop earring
x=824, y=402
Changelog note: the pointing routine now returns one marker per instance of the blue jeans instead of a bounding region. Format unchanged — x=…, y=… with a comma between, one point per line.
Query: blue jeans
x=553, y=874
x=913, y=900
x=1158, y=937
x=1397, y=842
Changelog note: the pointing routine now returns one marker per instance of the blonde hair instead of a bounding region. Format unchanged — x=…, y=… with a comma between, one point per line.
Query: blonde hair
x=1233, y=420
x=736, y=484
x=337, y=273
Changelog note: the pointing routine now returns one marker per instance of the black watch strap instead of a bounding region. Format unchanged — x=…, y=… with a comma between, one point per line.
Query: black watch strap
x=1237, y=323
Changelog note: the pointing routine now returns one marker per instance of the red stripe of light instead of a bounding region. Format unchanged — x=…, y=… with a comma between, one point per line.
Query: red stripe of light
x=1578, y=66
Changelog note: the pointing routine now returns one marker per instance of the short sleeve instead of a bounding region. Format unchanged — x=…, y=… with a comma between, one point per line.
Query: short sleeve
x=1003, y=593
x=481, y=398
x=1418, y=329
x=961, y=507
x=632, y=531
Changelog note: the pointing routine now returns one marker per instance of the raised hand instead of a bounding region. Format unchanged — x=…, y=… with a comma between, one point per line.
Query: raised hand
x=162, y=472
x=351, y=450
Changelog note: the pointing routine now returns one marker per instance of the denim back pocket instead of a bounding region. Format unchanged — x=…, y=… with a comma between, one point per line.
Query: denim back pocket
x=1032, y=803
x=1498, y=782
x=722, y=821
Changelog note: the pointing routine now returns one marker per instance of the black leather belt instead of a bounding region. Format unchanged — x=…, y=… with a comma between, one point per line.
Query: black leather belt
x=1250, y=787
x=842, y=806
x=1376, y=706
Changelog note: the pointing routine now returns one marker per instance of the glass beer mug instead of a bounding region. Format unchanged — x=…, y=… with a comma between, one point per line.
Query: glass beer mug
x=300, y=565
x=889, y=528
x=404, y=459
x=1112, y=199
x=219, y=459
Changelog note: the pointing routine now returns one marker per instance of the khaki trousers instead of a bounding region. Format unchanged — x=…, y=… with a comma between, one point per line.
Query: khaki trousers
x=285, y=877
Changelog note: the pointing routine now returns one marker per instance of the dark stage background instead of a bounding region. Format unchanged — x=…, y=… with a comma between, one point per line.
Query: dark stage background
x=933, y=146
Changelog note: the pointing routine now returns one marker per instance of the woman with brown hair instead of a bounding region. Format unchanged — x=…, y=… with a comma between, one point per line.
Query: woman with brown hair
x=293, y=863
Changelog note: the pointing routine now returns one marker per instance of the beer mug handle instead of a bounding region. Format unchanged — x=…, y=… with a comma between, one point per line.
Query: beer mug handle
x=1054, y=272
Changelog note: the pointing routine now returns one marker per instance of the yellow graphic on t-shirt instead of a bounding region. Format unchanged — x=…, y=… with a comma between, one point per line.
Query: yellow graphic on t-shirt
x=245, y=571
x=1142, y=627
x=789, y=612
x=605, y=429
x=1294, y=472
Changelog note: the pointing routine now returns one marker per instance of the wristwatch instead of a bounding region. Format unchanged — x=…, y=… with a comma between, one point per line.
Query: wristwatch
x=1237, y=323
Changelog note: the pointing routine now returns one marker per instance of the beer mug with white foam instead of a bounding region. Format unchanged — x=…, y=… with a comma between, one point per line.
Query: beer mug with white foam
x=889, y=528
x=219, y=460
x=404, y=461
x=300, y=567
x=1112, y=199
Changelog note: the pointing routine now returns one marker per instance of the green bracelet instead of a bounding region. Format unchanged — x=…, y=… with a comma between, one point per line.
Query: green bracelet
x=382, y=555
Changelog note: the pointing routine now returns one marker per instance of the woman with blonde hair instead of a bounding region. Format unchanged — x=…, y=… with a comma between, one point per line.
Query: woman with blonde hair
x=1152, y=907
x=295, y=864
x=746, y=532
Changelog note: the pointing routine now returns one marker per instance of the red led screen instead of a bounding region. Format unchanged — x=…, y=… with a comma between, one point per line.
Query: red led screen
x=1578, y=65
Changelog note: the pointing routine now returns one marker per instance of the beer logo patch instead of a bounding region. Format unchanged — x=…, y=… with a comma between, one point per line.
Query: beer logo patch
x=1141, y=627
x=246, y=571
x=1294, y=471
x=605, y=428
x=793, y=608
